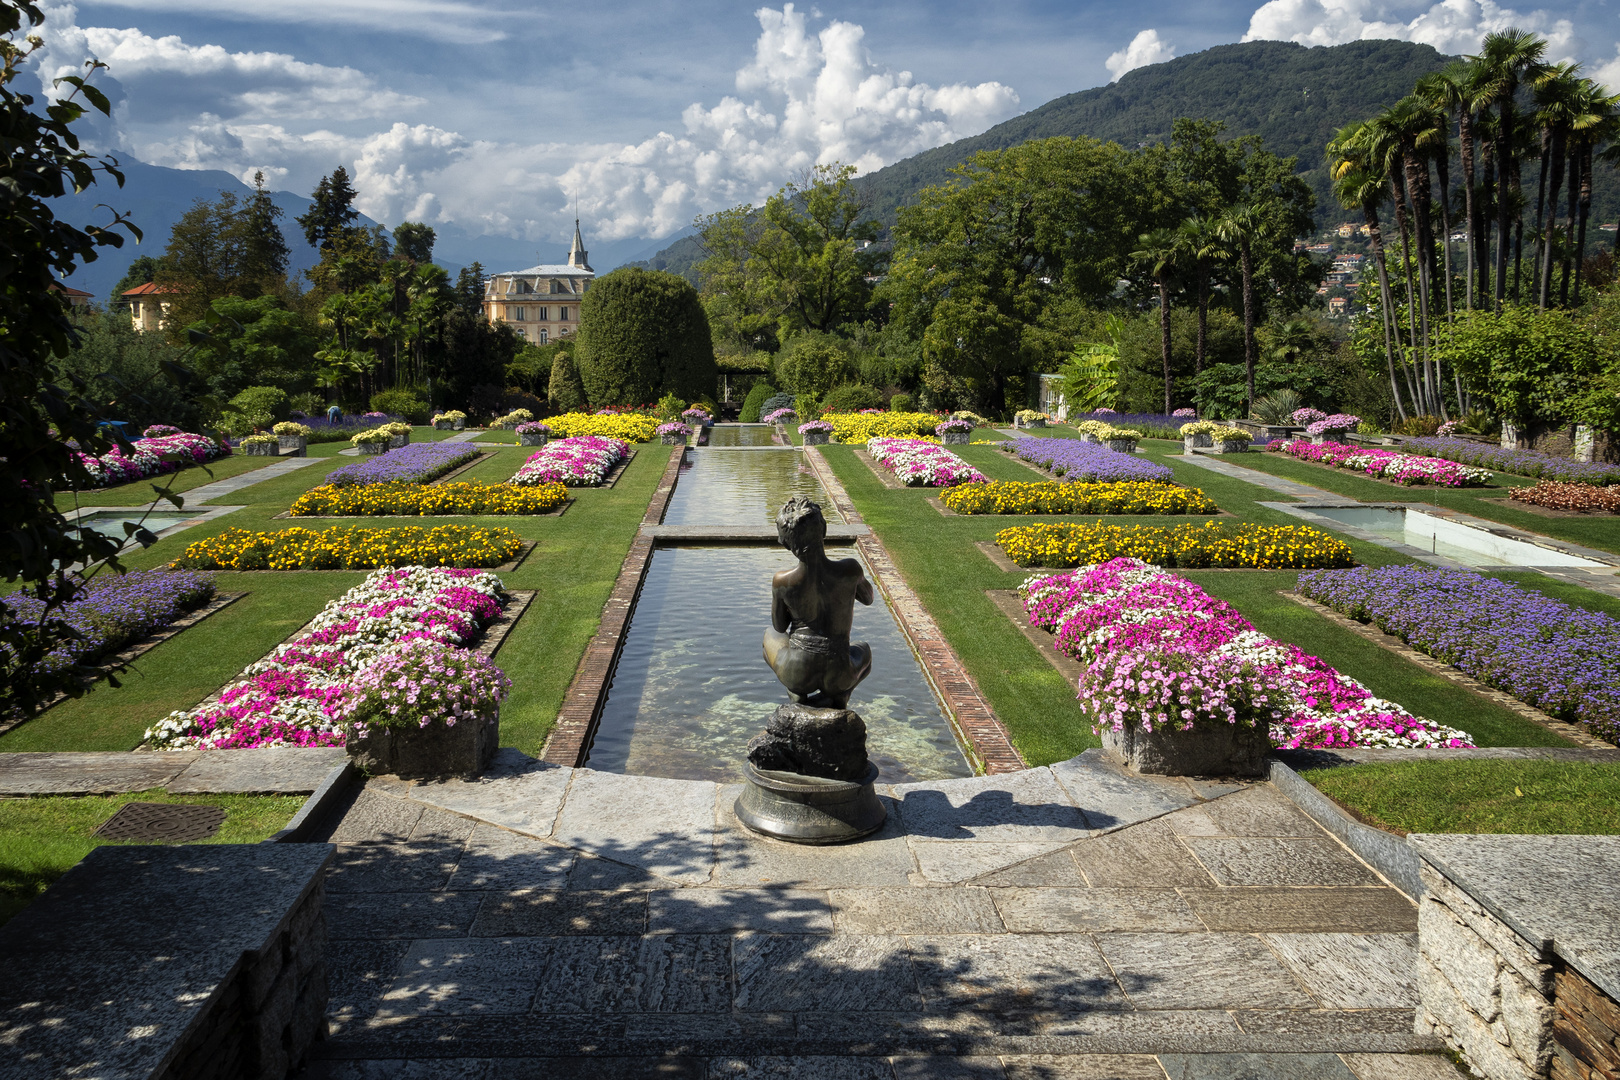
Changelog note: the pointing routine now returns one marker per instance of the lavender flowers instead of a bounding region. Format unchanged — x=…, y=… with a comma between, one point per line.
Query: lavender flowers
x=416, y=463
x=113, y=611
x=1076, y=460
x=1523, y=462
x=1561, y=659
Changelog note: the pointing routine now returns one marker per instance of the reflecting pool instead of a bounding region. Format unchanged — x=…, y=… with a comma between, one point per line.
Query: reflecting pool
x=692, y=687
x=741, y=435
x=742, y=487
x=1454, y=540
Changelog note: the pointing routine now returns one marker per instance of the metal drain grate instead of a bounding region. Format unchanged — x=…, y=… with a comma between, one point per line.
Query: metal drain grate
x=162, y=821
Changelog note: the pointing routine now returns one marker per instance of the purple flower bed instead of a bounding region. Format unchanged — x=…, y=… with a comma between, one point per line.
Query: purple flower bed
x=414, y=464
x=113, y=611
x=1076, y=460
x=323, y=430
x=1563, y=660
x=1523, y=462
x=1151, y=425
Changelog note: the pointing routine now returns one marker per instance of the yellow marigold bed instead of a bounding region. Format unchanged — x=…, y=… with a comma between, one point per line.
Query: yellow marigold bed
x=1189, y=546
x=420, y=500
x=349, y=547
x=859, y=427
x=1074, y=497
x=629, y=427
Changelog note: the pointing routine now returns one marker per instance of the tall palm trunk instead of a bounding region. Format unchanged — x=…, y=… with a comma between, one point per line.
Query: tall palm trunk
x=1203, y=317
x=1547, y=143
x=1417, y=190
x=1246, y=256
x=1164, y=338
x=1518, y=226
x=1554, y=156
x=1465, y=140
x=1504, y=143
x=1398, y=187
x=1375, y=233
x=1573, y=197
x=1585, y=210
x=1442, y=166
x=1485, y=208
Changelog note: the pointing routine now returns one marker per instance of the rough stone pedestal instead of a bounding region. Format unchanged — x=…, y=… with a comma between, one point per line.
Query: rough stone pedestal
x=435, y=752
x=810, y=809
x=531, y=438
x=956, y=438
x=1204, y=750
x=826, y=743
x=816, y=438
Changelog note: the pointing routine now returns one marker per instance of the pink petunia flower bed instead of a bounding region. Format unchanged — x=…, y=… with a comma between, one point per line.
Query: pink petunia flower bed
x=1405, y=469
x=151, y=456
x=396, y=643
x=1160, y=651
x=579, y=461
x=919, y=463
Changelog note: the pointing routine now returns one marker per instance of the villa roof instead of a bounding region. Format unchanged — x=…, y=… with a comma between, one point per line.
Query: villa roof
x=548, y=270
x=148, y=289
x=69, y=290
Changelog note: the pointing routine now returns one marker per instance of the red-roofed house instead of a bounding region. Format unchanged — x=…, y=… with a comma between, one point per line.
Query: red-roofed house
x=77, y=299
x=146, y=308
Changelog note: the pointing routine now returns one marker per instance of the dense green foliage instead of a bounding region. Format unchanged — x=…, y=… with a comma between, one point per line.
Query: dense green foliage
x=1526, y=364
x=564, y=389
x=815, y=363
x=757, y=395
x=643, y=333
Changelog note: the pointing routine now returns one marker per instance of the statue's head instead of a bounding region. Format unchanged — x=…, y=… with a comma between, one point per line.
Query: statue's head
x=800, y=526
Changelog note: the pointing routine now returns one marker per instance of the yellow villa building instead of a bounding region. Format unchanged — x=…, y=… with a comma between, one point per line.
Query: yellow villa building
x=542, y=302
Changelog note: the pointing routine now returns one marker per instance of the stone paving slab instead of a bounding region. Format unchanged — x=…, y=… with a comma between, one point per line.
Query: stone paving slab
x=497, y=859
x=520, y=794
x=666, y=827
x=1242, y=860
x=1057, y=910
x=1302, y=910
x=1026, y=807
x=1255, y=1067
x=747, y=860
x=907, y=910
x=1143, y=856
x=950, y=862
x=286, y=770
x=1353, y=971
x=721, y=911
x=110, y=773
x=1201, y=970
x=1110, y=798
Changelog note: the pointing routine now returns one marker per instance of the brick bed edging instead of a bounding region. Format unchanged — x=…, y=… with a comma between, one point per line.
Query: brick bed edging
x=982, y=734
x=1574, y=733
x=570, y=739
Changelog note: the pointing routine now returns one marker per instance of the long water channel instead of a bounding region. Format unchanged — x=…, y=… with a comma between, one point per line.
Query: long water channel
x=692, y=686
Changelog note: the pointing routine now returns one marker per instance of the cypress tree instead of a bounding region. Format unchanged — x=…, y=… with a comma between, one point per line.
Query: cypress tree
x=643, y=334
x=565, y=392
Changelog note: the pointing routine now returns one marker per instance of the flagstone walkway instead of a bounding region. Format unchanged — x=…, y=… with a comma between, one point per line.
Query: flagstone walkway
x=1070, y=921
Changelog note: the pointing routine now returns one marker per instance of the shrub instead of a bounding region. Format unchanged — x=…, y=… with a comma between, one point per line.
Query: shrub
x=352, y=548
x=643, y=333
x=1191, y=546
x=815, y=363
x=401, y=403
x=565, y=392
x=668, y=407
x=261, y=406
x=902, y=403
x=758, y=394
x=1417, y=426
x=421, y=500
x=851, y=397
x=1070, y=497
x=777, y=401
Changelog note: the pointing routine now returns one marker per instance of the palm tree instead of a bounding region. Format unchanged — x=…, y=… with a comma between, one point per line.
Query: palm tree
x=1458, y=89
x=1599, y=123
x=1242, y=226
x=1556, y=108
x=1383, y=143
x=1158, y=255
x=1358, y=185
x=1419, y=132
x=1506, y=59
x=1200, y=245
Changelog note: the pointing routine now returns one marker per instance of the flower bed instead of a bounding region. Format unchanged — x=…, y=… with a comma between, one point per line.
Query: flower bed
x=578, y=461
x=1340, y=422
x=1563, y=660
x=111, y=611
x=779, y=416
x=1073, y=497
x=1189, y=546
x=463, y=497
x=1579, y=498
x=1151, y=425
x=626, y=427
x=1159, y=651
x=149, y=457
x=1086, y=461
x=1403, y=469
x=416, y=463
x=405, y=623
x=922, y=464
x=1523, y=462
x=349, y=548
x=860, y=427
x=322, y=430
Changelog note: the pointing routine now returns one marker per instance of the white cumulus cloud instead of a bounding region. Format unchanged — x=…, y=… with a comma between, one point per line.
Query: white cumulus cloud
x=1451, y=26
x=450, y=20
x=1145, y=48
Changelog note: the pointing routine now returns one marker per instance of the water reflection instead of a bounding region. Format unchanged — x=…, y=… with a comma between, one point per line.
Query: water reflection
x=741, y=435
x=692, y=687
x=742, y=487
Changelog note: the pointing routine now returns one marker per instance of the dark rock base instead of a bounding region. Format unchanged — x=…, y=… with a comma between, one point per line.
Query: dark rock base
x=828, y=743
x=808, y=809
x=1205, y=750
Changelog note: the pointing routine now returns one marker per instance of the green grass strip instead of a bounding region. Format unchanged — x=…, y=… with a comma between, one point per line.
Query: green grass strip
x=1473, y=795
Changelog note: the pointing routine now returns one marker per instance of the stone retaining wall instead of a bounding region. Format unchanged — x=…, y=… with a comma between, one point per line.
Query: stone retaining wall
x=1586, y=1030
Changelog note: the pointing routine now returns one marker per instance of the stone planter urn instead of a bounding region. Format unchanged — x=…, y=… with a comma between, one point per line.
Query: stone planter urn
x=816, y=438
x=261, y=449
x=444, y=425
x=1191, y=442
x=397, y=441
x=531, y=438
x=1204, y=750
x=1033, y=424
x=674, y=440
x=956, y=438
x=1123, y=446
x=432, y=752
x=1329, y=437
x=1231, y=447
x=372, y=447
x=296, y=443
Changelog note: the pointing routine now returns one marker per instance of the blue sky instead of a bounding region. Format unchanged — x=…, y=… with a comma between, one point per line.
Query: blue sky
x=491, y=115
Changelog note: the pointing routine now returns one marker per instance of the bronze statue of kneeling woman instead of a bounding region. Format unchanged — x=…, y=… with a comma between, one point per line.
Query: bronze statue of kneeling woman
x=812, y=610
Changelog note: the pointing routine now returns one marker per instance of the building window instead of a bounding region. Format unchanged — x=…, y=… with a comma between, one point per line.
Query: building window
x=542, y=314
x=516, y=313
x=562, y=313
x=542, y=335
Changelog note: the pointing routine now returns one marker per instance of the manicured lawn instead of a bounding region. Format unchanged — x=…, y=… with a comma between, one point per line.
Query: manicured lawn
x=573, y=566
x=139, y=492
x=41, y=839
x=1490, y=502
x=1479, y=796
x=939, y=558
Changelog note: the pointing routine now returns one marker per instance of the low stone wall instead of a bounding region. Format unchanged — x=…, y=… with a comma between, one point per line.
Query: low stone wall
x=1515, y=936
x=173, y=962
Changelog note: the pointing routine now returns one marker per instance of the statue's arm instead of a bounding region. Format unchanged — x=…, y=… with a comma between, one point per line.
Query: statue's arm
x=863, y=590
x=781, y=617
